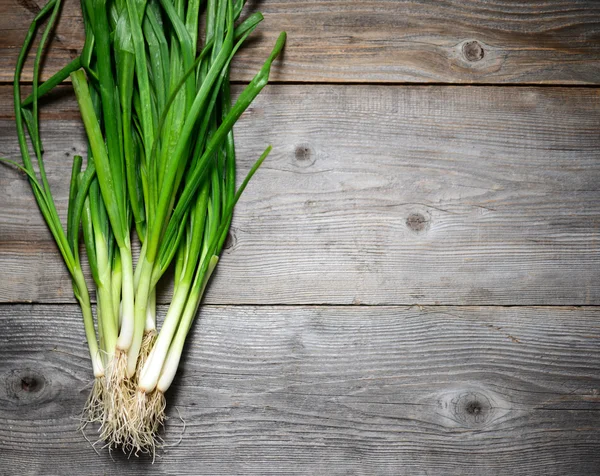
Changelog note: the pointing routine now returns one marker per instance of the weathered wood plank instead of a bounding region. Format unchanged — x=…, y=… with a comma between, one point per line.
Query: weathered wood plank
x=327, y=390
x=379, y=195
x=414, y=40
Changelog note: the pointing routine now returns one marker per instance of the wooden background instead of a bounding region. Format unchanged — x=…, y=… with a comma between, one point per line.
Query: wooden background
x=411, y=284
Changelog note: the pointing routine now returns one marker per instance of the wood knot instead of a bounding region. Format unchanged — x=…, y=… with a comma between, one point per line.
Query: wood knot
x=30, y=5
x=473, y=51
x=30, y=384
x=472, y=409
x=304, y=155
x=230, y=240
x=416, y=222
x=26, y=385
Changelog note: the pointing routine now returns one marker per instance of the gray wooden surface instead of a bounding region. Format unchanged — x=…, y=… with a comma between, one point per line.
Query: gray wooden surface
x=481, y=41
x=327, y=390
x=375, y=195
x=411, y=284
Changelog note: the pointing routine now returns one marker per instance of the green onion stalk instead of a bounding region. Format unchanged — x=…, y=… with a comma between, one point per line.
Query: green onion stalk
x=157, y=109
x=27, y=125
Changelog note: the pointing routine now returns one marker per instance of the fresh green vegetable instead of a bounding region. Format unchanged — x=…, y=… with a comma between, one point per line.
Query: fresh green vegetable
x=158, y=115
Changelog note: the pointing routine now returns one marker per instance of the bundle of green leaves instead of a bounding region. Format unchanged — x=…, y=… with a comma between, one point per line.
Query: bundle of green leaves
x=156, y=105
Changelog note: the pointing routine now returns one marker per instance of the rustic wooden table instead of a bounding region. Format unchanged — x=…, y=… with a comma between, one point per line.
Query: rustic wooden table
x=411, y=282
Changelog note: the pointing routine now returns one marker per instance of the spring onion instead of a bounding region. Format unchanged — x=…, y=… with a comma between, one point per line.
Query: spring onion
x=156, y=107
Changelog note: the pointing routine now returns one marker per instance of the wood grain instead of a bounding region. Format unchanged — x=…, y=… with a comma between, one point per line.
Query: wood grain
x=504, y=41
x=375, y=195
x=326, y=390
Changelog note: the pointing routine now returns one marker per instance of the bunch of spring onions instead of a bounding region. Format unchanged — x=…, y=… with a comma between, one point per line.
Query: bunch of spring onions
x=156, y=105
